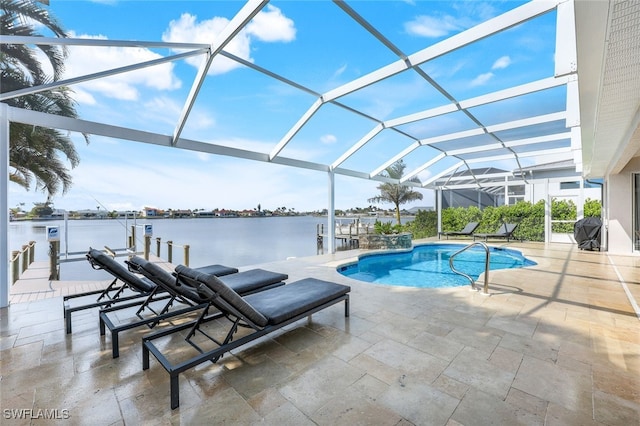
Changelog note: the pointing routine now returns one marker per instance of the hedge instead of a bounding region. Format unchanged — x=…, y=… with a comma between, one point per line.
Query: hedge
x=530, y=218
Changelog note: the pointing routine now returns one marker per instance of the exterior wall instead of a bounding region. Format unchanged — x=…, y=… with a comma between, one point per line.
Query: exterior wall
x=536, y=191
x=619, y=208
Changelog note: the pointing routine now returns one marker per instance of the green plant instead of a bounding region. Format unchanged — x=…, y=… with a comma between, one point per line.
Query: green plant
x=456, y=218
x=563, y=210
x=530, y=218
x=592, y=208
x=396, y=193
x=424, y=225
x=386, y=228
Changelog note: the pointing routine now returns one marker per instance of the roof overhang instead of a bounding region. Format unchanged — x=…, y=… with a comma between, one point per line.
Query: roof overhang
x=608, y=45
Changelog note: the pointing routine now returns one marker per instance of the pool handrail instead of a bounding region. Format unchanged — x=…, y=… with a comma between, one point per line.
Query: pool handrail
x=486, y=266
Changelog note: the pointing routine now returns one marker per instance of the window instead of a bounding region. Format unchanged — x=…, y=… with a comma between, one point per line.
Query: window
x=570, y=185
x=516, y=190
x=516, y=194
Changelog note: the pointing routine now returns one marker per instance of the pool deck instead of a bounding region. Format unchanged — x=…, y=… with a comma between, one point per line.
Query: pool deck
x=554, y=344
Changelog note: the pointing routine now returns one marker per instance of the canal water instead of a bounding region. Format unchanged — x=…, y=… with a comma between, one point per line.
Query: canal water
x=228, y=241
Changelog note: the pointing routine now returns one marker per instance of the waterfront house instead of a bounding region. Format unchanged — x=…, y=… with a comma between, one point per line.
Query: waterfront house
x=556, y=344
x=581, y=105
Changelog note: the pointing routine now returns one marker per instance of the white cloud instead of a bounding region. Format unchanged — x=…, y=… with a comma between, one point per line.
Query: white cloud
x=340, y=71
x=203, y=156
x=120, y=86
x=187, y=29
x=271, y=26
x=501, y=63
x=328, y=139
x=83, y=97
x=167, y=110
x=431, y=26
x=268, y=26
x=482, y=79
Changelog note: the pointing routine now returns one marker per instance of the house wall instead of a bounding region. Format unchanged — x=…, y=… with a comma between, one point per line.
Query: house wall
x=537, y=191
x=619, y=208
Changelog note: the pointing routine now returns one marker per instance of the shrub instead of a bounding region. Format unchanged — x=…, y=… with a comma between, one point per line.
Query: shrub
x=592, y=208
x=386, y=228
x=530, y=218
x=424, y=225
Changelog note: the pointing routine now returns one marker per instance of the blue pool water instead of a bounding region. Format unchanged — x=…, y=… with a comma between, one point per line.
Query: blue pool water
x=427, y=265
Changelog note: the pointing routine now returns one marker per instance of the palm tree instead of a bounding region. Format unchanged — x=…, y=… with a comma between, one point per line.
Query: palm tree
x=396, y=193
x=35, y=152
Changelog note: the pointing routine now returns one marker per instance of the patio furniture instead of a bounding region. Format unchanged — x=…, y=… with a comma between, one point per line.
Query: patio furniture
x=505, y=231
x=260, y=313
x=467, y=231
x=131, y=287
x=125, y=287
x=180, y=290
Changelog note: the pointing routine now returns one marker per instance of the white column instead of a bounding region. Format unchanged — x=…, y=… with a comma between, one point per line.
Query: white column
x=580, y=203
x=506, y=191
x=547, y=212
x=439, y=209
x=4, y=203
x=331, y=214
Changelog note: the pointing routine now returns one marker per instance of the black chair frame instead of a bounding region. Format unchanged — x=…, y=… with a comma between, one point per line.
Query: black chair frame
x=236, y=319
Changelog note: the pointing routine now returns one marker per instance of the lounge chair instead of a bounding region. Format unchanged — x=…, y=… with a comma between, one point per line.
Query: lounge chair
x=262, y=313
x=181, y=290
x=467, y=231
x=125, y=287
x=505, y=231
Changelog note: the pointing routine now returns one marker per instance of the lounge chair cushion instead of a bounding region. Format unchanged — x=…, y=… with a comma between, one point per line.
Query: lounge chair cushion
x=282, y=303
x=166, y=279
x=244, y=282
x=505, y=231
x=249, y=281
x=217, y=270
x=213, y=287
x=467, y=230
x=109, y=264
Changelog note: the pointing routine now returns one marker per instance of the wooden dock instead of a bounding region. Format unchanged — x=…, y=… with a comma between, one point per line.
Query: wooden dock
x=34, y=284
x=350, y=239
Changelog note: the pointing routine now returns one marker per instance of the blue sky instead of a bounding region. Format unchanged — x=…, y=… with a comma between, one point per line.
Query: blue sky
x=314, y=44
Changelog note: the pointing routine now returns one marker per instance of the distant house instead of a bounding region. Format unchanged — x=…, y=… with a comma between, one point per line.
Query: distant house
x=58, y=214
x=557, y=180
x=204, y=213
x=415, y=210
x=88, y=213
x=127, y=213
x=152, y=212
x=181, y=213
x=225, y=213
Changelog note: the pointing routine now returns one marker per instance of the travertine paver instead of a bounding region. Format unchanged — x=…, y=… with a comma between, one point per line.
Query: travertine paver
x=555, y=344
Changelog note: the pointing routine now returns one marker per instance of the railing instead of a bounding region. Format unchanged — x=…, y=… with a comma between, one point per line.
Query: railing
x=55, y=259
x=170, y=246
x=486, y=266
x=27, y=255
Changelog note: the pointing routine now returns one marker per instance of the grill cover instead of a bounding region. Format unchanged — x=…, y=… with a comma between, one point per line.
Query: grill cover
x=587, y=233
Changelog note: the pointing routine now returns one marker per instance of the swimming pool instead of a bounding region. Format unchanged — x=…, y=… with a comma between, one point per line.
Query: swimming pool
x=427, y=265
